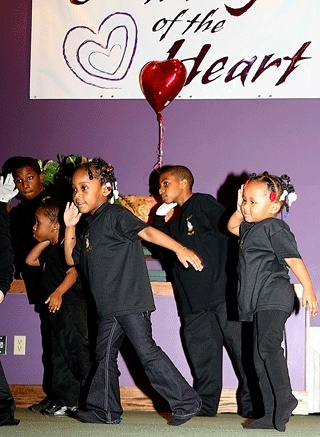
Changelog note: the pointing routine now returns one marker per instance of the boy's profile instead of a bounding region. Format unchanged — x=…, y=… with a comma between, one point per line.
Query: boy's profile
x=64, y=297
x=28, y=179
x=201, y=225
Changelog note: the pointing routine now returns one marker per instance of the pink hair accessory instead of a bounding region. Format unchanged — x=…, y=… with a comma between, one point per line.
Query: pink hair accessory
x=245, y=184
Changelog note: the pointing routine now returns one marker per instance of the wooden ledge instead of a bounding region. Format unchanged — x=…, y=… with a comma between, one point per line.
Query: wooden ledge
x=158, y=288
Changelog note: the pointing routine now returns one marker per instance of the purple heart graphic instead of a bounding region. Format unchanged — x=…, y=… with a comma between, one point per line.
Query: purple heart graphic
x=97, y=58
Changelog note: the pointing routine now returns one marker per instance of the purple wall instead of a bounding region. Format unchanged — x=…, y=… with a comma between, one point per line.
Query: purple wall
x=217, y=139
x=18, y=318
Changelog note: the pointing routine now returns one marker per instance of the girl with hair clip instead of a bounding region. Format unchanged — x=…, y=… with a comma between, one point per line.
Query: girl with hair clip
x=267, y=249
x=110, y=254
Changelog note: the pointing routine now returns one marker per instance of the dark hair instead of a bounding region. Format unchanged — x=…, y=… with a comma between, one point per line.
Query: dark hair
x=101, y=170
x=277, y=184
x=16, y=162
x=54, y=210
x=180, y=172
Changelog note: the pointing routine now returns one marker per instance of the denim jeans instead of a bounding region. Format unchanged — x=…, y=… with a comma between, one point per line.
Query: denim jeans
x=104, y=392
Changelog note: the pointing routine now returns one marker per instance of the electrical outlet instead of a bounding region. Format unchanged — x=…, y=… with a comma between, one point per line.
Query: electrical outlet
x=3, y=345
x=19, y=345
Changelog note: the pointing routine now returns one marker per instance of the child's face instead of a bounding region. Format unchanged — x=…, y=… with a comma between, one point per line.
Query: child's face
x=256, y=203
x=44, y=229
x=88, y=194
x=28, y=182
x=171, y=189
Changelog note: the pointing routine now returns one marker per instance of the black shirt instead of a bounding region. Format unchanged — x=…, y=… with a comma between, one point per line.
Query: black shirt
x=54, y=271
x=200, y=227
x=111, y=257
x=264, y=282
x=22, y=220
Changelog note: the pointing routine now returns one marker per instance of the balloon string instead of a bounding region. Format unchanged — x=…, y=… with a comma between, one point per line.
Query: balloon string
x=160, y=146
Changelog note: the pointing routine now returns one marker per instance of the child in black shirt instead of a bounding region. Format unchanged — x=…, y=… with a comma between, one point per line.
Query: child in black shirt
x=110, y=254
x=64, y=297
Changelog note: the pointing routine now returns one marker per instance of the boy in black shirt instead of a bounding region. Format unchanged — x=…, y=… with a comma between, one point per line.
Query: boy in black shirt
x=202, y=295
x=67, y=311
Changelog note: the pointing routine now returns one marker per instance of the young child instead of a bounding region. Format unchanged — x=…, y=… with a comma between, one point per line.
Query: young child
x=201, y=225
x=110, y=255
x=28, y=179
x=63, y=294
x=7, y=192
x=267, y=248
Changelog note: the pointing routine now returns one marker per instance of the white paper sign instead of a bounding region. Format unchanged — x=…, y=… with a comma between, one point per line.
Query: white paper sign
x=232, y=49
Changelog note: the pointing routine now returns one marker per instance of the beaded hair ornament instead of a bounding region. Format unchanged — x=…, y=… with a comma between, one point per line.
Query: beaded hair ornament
x=99, y=169
x=279, y=188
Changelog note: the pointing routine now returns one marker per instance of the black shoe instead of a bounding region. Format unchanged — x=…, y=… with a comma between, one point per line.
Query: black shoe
x=58, y=411
x=180, y=420
x=10, y=421
x=265, y=422
x=92, y=416
x=41, y=405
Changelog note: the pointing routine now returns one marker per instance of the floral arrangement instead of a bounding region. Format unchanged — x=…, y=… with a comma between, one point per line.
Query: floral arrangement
x=62, y=170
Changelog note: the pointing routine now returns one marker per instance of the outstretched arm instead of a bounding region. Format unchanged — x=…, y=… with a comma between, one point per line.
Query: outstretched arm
x=309, y=297
x=186, y=256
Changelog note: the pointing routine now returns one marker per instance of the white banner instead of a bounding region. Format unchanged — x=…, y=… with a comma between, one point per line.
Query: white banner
x=232, y=49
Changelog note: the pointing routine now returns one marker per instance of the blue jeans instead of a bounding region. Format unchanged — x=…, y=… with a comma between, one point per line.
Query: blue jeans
x=104, y=392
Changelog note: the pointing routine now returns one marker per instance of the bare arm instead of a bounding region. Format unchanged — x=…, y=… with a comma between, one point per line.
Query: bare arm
x=309, y=297
x=54, y=301
x=32, y=258
x=237, y=218
x=186, y=256
x=234, y=223
x=71, y=218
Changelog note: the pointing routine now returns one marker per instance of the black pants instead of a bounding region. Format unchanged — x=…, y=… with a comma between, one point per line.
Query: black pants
x=270, y=362
x=70, y=354
x=7, y=404
x=205, y=334
x=104, y=393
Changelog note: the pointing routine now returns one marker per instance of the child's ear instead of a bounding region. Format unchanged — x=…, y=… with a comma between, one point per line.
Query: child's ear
x=275, y=208
x=41, y=177
x=106, y=190
x=56, y=226
x=183, y=183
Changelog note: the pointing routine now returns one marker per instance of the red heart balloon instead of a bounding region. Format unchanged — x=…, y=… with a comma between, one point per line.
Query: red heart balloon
x=161, y=82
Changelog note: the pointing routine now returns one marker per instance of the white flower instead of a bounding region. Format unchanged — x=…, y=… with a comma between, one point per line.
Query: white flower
x=283, y=195
x=292, y=197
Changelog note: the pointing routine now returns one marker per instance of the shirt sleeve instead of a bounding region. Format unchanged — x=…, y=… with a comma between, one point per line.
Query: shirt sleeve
x=284, y=242
x=127, y=224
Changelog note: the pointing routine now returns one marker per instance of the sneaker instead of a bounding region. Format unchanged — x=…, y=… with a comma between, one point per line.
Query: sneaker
x=58, y=411
x=41, y=405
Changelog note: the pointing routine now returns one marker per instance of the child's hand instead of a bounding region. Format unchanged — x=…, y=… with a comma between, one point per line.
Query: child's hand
x=239, y=199
x=309, y=298
x=71, y=214
x=54, y=301
x=1, y=296
x=187, y=256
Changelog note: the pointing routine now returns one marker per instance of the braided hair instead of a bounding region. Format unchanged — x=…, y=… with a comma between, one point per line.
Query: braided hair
x=103, y=171
x=280, y=189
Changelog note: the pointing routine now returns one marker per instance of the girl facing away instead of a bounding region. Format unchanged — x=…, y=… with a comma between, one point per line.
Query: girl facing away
x=267, y=249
